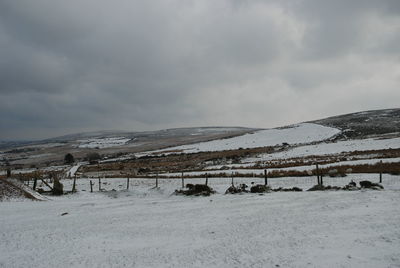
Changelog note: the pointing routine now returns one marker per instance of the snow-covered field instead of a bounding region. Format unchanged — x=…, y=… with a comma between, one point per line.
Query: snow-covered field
x=102, y=142
x=146, y=227
x=301, y=133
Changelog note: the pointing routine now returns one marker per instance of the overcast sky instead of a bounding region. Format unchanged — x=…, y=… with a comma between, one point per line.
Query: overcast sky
x=82, y=65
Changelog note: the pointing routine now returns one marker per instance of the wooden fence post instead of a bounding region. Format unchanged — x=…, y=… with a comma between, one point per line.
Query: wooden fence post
x=317, y=171
x=232, y=180
x=157, y=180
x=127, y=183
x=99, y=184
x=206, y=179
x=380, y=172
x=265, y=177
x=183, y=181
x=91, y=186
x=74, y=185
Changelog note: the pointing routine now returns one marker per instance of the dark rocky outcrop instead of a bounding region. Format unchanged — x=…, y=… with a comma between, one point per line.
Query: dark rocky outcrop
x=370, y=185
x=236, y=190
x=320, y=187
x=260, y=188
x=196, y=190
x=294, y=189
x=352, y=186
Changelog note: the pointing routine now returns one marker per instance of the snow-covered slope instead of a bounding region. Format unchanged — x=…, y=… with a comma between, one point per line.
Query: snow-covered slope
x=335, y=148
x=297, y=134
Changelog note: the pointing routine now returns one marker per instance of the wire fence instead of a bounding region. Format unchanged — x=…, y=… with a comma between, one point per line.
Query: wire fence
x=390, y=182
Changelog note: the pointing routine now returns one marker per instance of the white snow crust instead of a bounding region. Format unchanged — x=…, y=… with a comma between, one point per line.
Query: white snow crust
x=146, y=227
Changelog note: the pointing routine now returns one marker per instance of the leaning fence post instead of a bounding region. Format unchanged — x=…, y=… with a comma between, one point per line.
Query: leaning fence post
x=91, y=186
x=183, y=181
x=265, y=177
x=34, y=183
x=380, y=172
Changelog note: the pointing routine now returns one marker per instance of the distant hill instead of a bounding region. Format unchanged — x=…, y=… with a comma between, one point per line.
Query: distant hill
x=377, y=123
x=173, y=132
x=364, y=124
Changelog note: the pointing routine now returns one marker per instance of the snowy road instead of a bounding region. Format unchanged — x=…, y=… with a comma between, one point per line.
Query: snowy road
x=74, y=169
x=154, y=229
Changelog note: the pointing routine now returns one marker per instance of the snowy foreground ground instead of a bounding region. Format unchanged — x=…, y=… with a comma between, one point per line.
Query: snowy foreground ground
x=151, y=228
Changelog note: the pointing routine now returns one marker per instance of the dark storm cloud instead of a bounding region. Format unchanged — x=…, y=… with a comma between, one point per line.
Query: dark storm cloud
x=69, y=66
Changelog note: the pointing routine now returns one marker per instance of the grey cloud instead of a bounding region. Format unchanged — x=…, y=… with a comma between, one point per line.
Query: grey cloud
x=68, y=66
x=337, y=28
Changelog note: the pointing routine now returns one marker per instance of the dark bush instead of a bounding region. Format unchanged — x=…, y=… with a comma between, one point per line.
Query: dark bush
x=69, y=159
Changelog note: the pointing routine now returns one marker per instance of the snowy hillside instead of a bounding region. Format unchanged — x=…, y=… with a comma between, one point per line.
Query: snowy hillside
x=297, y=134
x=363, y=124
x=334, y=148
